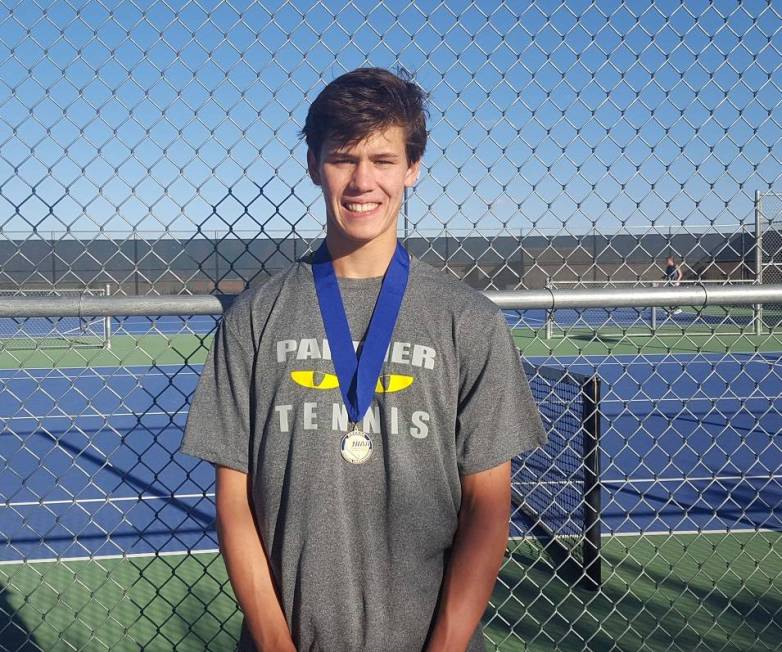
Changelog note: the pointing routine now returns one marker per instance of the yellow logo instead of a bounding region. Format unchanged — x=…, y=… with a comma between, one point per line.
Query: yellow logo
x=386, y=384
x=315, y=379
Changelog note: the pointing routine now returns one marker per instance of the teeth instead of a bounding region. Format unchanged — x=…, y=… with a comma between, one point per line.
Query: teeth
x=362, y=208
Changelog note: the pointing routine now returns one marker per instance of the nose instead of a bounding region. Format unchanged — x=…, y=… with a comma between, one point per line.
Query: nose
x=363, y=179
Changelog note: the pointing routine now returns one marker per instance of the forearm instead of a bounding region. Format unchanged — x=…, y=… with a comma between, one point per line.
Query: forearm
x=476, y=556
x=250, y=576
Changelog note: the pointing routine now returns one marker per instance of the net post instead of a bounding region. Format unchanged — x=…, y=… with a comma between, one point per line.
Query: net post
x=590, y=396
x=758, y=258
x=107, y=322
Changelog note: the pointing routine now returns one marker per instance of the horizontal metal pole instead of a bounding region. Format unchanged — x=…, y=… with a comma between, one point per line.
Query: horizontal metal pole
x=641, y=297
x=92, y=306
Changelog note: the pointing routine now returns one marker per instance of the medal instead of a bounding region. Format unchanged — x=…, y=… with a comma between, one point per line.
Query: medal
x=358, y=374
x=356, y=446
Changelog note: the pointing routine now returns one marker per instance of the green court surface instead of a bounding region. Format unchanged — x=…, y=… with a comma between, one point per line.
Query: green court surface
x=688, y=592
x=154, y=603
x=128, y=350
x=668, y=592
x=532, y=343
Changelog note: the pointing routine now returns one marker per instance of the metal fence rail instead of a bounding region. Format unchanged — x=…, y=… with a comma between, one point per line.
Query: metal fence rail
x=696, y=295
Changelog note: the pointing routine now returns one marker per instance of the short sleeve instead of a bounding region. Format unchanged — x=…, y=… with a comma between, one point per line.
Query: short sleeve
x=497, y=417
x=218, y=423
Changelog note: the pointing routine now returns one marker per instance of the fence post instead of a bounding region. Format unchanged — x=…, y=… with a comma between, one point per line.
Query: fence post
x=758, y=258
x=549, y=315
x=107, y=321
x=590, y=396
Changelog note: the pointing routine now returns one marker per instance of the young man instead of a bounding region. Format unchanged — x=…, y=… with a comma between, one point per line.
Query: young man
x=363, y=498
x=673, y=276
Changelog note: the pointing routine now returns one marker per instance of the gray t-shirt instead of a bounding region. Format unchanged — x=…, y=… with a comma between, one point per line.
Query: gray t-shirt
x=358, y=551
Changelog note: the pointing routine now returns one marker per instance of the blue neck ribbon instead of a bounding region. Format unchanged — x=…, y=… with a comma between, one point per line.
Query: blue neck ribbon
x=358, y=372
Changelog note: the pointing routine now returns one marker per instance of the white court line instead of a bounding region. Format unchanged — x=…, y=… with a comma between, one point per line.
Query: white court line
x=112, y=371
x=687, y=399
x=670, y=358
x=691, y=397
x=63, y=560
x=107, y=500
x=657, y=533
x=213, y=551
x=705, y=478
x=99, y=377
x=97, y=415
x=609, y=535
x=559, y=483
x=738, y=357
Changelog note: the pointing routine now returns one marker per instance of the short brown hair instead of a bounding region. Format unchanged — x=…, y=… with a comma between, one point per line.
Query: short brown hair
x=363, y=101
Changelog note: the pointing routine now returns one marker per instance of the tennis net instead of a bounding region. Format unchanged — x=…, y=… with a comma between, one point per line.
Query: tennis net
x=54, y=332
x=654, y=321
x=556, y=487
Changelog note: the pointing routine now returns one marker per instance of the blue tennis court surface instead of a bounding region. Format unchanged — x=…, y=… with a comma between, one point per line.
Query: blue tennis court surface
x=167, y=325
x=594, y=319
x=73, y=475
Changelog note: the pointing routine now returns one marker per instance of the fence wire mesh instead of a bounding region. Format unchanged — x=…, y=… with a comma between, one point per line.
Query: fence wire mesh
x=153, y=148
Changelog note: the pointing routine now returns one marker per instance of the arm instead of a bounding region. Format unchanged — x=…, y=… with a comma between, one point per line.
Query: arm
x=476, y=555
x=679, y=273
x=247, y=563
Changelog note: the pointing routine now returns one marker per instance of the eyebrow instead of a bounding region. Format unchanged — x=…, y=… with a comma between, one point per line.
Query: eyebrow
x=342, y=154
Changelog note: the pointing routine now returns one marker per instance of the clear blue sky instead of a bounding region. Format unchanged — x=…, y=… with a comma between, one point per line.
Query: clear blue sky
x=563, y=117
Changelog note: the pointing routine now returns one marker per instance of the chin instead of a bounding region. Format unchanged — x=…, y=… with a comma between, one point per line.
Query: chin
x=361, y=236
x=363, y=233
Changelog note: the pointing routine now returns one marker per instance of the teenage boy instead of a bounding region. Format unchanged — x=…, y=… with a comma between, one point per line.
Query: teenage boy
x=361, y=409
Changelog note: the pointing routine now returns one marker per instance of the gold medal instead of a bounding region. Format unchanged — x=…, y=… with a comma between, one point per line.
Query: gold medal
x=356, y=446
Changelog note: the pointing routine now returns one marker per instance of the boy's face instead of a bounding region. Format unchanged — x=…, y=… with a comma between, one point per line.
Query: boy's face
x=363, y=185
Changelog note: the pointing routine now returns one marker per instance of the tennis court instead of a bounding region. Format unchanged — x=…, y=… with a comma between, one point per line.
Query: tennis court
x=690, y=482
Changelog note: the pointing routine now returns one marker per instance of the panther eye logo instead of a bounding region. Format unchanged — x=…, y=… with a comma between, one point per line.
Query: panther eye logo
x=386, y=384
x=315, y=379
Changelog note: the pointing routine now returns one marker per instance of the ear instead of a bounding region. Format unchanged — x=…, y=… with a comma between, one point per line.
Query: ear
x=312, y=167
x=411, y=176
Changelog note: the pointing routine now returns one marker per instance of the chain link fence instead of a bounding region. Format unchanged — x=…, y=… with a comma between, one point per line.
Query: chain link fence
x=151, y=149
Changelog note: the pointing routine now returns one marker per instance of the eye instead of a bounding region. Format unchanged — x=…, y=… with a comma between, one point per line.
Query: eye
x=389, y=383
x=315, y=379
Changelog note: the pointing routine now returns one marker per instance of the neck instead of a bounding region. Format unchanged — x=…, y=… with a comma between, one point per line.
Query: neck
x=368, y=260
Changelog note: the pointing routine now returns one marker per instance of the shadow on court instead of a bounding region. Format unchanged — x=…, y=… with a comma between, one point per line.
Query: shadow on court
x=181, y=602
x=647, y=581
x=687, y=505
x=14, y=635
x=130, y=469
x=131, y=494
x=596, y=336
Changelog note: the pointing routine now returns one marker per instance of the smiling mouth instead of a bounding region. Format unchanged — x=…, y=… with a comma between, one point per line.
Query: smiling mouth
x=361, y=207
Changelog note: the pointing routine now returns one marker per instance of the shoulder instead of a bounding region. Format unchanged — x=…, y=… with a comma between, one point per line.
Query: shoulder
x=441, y=290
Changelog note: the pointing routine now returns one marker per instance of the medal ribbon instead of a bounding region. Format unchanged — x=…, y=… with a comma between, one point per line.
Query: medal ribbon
x=358, y=373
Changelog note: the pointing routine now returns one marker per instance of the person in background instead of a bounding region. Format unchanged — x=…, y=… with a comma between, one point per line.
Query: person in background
x=673, y=276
